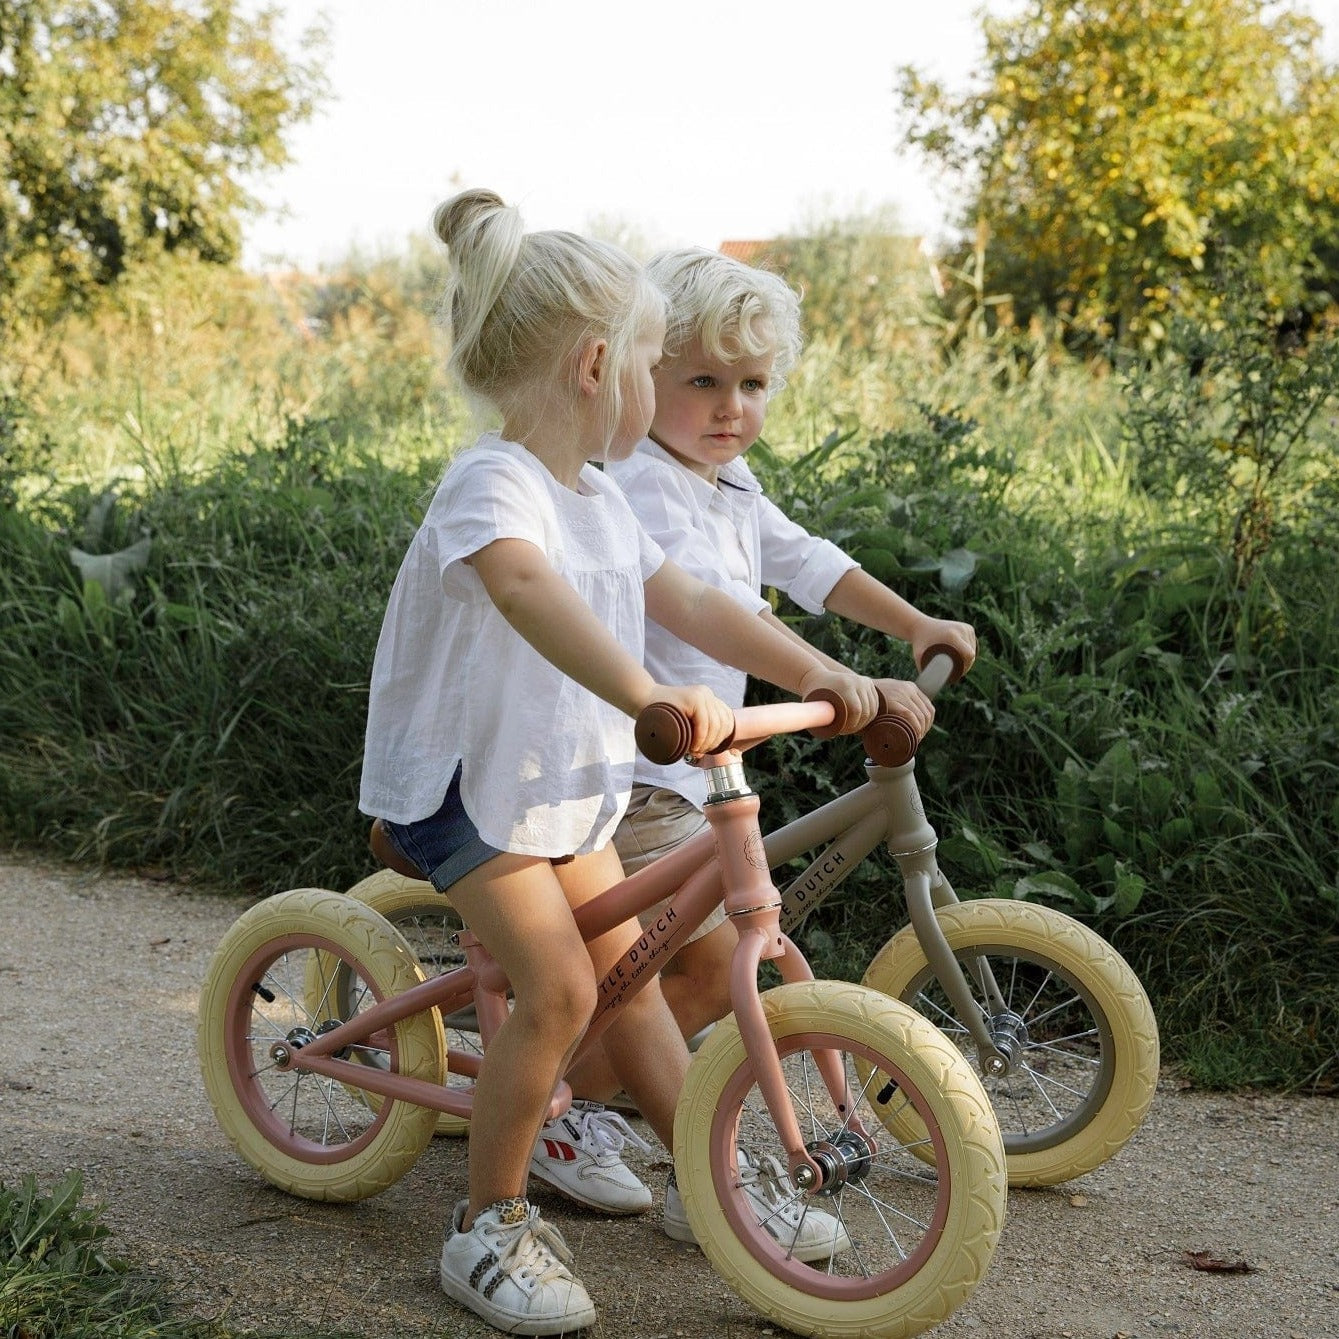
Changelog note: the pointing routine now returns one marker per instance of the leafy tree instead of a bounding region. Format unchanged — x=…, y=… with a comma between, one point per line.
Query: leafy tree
x=864, y=280
x=128, y=126
x=1230, y=426
x=1115, y=148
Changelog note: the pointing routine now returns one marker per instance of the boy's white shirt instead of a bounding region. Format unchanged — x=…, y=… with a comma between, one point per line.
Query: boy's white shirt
x=547, y=765
x=730, y=535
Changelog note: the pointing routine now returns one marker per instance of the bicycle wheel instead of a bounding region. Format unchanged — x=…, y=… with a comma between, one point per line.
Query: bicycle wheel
x=1082, y=1032
x=427, y=920
x=308, y=1134
x=920, y=1242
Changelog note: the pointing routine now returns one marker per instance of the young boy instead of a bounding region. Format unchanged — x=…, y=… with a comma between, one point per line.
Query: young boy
x=732, y=336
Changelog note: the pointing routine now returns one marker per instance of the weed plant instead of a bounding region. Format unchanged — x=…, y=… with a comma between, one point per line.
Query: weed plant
x=58, y=1280
x=201, y=709
x=1143, y=743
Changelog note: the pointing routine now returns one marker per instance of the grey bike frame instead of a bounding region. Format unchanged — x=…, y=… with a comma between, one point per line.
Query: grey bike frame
x=887, y=808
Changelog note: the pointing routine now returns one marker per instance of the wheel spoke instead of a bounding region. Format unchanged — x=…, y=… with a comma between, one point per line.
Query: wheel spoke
x=1045, y=1082
x=1065, y=1045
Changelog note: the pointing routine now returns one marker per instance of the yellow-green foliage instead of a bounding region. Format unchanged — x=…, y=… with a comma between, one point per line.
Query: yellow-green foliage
x=128, y=132
x=1115, y=149
x=187, y=360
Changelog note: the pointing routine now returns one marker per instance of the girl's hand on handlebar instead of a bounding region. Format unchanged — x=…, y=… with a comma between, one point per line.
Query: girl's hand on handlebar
x=906, y=701
x=941, y=631
x=859, y=695
x=711, y=721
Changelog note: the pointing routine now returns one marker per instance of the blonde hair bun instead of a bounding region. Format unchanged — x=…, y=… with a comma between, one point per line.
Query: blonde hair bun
x=520, y=304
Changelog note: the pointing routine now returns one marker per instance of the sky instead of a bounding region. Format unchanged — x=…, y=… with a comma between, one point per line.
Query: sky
x=683, y=123
x=675, y=123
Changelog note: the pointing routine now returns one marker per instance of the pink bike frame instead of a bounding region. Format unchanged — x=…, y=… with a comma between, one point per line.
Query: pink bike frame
x=729, y=861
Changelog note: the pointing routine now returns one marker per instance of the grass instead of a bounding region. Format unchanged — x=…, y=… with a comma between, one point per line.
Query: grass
x=1147, y=740
x=58, y=1280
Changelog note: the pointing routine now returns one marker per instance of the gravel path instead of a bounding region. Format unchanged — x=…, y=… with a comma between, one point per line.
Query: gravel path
x=99, y=978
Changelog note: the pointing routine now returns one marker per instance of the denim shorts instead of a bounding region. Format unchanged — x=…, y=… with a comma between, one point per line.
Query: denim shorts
x=446, y=846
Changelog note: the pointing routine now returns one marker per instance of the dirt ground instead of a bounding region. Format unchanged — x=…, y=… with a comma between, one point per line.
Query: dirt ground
x=99, y=978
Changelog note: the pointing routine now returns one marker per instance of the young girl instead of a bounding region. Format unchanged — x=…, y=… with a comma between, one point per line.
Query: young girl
x=499, y=749
x=732, y=336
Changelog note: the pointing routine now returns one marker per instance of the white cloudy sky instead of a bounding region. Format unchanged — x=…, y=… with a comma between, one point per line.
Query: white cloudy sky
x=687, y=122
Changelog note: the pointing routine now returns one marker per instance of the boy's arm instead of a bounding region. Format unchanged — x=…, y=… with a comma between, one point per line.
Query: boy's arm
x=716, y=624
x=863, y=599
x=818, y=575
x=900, y=697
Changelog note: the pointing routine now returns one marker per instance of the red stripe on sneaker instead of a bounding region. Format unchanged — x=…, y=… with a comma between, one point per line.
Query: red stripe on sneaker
x=562, y=1152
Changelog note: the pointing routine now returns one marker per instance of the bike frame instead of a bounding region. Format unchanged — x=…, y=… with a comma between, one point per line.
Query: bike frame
x=727, y=862
x=887, y=808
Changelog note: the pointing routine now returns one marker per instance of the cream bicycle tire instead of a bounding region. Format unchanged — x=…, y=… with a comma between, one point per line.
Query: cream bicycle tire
x=306, y=1134
x=1034, y=951
x=874, y=1288
x=419, y=912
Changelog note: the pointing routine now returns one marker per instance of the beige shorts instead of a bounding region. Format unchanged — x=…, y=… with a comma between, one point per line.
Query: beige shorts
x=656, y=822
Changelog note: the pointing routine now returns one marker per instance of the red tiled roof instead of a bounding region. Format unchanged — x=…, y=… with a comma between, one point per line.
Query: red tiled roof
x=744, y=251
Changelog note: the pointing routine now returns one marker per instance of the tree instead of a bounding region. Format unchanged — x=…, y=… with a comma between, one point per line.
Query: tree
x=1116, y=148
x=128, y=126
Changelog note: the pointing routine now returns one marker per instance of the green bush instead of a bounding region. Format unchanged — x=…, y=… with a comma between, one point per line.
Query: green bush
x=1143, y=743
x=201, y=708
x=1146, y=741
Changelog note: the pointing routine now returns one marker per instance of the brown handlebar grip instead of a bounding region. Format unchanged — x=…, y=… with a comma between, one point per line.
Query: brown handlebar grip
x=663, y=733
x=944, y=649
x=838, y=708
x=889, y=741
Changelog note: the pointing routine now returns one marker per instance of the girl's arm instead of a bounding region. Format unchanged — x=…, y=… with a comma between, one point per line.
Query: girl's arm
x=561, y=626
x=713, y=622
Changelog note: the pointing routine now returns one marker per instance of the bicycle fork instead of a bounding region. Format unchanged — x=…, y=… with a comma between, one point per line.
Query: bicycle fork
x=754, y=906
x=912, y=842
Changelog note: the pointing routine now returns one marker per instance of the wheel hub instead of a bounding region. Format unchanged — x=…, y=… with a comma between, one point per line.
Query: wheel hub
x=1008, y=1032
x=282, y=1051
x=844, y=1159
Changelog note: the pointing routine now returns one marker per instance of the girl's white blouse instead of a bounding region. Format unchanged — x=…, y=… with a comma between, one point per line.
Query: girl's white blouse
x=546, y=765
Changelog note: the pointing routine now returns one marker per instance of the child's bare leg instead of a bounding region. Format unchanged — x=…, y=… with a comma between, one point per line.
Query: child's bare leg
x=697, y=981
x=696, y=986
x=518, y=909
x=644, y=1050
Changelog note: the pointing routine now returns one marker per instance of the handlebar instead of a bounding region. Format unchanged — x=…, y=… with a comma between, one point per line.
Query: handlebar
x=664, y=733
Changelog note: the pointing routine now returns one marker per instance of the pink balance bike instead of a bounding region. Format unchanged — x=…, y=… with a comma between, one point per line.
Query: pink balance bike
x=1056, y=1023
x=325, y=1059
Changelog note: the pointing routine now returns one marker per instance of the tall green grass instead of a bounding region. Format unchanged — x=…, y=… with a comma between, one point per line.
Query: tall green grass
x=1148, y=739
x=207, y=715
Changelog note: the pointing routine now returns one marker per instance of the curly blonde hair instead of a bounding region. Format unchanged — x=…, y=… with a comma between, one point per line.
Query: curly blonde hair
x=734, y=310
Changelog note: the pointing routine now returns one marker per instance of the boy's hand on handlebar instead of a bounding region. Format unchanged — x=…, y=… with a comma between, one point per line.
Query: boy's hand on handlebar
x=905, y=700
x=942, y=631
x=712, y=722
x=859, y=695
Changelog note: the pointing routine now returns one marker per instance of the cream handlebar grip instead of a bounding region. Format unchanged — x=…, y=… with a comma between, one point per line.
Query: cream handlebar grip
x=940, y=665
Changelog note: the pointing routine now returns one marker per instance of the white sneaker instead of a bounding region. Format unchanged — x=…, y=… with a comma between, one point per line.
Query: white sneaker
x=800, y=1230
x=578, y=1154
x=512, y=1268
